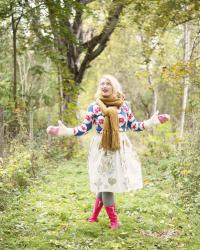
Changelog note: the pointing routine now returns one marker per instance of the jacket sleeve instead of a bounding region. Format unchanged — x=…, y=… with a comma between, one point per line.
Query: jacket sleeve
x=87, y=123
x=132, y=123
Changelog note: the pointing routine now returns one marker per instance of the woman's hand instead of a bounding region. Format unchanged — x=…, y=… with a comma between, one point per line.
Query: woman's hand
x=52, y=130
x=163, y=118
x=156, y=119
x=60, y=130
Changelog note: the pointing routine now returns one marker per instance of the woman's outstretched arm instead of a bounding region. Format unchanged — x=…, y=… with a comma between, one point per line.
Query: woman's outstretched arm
x=155, y=119
x=62, y=130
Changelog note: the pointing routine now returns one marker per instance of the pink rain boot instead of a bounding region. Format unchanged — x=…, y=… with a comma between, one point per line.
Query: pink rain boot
x=97, y=208
x=112, y=214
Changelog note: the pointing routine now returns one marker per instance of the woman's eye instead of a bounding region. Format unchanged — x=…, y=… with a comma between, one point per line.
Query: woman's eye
x=107, y=83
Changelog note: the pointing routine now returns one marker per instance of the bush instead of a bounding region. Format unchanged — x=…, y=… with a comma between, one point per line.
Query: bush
x=19, y=168
x=184, y=166
x=177, y=161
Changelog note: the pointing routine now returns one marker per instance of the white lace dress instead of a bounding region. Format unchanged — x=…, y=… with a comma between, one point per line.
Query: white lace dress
x=118, y=171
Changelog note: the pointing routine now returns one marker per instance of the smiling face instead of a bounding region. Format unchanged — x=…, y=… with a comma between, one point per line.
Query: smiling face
x=106, y=88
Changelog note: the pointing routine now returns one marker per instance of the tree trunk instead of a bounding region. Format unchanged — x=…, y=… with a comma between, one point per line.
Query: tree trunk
x=60, y=86
x=155, y=100
x=69, y=91
x=48, y=124
x=1, y=132
x=31, y=125
x=186, y=78
x=147, y=58
x=154, y=90
x=14, y=87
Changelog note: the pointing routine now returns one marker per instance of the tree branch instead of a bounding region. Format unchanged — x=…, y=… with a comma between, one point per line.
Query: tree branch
x=73, y=52
x=195, y=43
x=35, y=21
x=53, y=21
x=85, y=2
x=99, y=42
x=18, y=19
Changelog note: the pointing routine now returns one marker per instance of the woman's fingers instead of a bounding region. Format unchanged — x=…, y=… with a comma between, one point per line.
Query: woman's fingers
x=52, y=130
x=155, y=115
x=60, y=123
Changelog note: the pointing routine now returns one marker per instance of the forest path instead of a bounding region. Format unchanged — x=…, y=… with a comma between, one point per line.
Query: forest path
x=52, y=215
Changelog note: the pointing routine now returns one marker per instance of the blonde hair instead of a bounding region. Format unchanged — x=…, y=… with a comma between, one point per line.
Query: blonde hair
x=117, y=88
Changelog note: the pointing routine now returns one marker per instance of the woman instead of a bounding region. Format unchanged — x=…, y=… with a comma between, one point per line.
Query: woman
x=113, y=165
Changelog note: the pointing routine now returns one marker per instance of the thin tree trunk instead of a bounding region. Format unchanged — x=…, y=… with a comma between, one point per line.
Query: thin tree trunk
x=2, y=143
x=155, y=100
x=21, y=80
x=14, y=31
x=31, y=125
x=61, y=104
x=48, y=124
x=149, y=77
x=154, y=90
x=186, y=78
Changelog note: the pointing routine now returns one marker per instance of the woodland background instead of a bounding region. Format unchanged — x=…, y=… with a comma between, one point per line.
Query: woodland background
x=52, y=55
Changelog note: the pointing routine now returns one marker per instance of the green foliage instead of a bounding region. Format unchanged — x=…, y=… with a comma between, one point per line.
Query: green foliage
x=63, y=148
x=179, y=163
x=184, y=165
x=161, y=143
x=21, y=166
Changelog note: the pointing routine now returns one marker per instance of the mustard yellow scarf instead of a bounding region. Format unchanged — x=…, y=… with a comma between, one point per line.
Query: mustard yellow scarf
x=110, y=137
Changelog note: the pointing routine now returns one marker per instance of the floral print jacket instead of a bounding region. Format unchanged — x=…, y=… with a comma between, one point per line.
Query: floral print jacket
x=95, y=117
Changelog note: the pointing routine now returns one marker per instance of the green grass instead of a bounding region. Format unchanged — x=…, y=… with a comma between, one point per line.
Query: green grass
x=52, y=214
